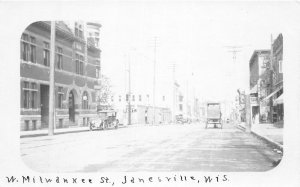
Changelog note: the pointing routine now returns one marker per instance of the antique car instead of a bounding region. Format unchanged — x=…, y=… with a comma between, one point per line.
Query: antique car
x=107, y=119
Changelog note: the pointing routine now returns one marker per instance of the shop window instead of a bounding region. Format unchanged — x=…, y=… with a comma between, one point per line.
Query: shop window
x=33, y=124
x=26, y=98
x=33, y=95
x=60, y=123
x=26, y=128
x=60, y=94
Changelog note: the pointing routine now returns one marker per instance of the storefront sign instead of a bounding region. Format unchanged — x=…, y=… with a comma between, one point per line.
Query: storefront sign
x=253, y=101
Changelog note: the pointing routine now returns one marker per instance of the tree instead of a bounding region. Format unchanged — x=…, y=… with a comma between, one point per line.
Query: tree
x=105, y=93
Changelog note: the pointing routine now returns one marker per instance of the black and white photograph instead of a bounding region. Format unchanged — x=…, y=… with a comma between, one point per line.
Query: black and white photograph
x=171, y=93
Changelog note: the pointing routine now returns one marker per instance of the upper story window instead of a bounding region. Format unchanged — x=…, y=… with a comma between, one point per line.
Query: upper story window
x=133, y=97
x=120, y=98
x=59, y=58
x=163, y=98
x=78, y=30
x=140, y=98
x=97, y=72
x=46, y=54
x=79, y=63
x=28, y=48
x=280, y=66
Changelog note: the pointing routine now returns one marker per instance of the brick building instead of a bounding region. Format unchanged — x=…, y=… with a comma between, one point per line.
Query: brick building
x=260, y=84
x=277, y=86
x=77, y=69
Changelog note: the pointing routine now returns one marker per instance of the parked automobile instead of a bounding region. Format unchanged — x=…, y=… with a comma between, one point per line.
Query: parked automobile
x=107, y=119
x=181, y=119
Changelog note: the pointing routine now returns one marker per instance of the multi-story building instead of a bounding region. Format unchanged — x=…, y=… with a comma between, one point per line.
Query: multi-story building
x=277, y=86
x=260, y=84
x=77, y=69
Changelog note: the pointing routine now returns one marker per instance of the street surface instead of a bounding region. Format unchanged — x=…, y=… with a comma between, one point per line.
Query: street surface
x=188, y=147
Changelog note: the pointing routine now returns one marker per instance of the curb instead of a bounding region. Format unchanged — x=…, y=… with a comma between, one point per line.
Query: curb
x=55, y=133
x=269, y=141
x=266, y=139
x=58, y=133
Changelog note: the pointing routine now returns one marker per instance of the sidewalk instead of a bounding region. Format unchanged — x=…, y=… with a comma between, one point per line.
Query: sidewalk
x=268, y=132
x=44, y=132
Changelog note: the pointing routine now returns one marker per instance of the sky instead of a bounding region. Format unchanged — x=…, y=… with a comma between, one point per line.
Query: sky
x=192, y=36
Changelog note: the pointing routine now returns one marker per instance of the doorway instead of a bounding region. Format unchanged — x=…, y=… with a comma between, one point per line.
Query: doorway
x=44, y=105
x=71, y=107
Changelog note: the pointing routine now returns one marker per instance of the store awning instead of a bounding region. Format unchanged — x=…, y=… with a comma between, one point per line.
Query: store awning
x=271, y=94
x=254, y=89
x=279, y=100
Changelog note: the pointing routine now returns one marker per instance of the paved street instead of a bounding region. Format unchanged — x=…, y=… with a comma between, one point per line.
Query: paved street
x=149, y=148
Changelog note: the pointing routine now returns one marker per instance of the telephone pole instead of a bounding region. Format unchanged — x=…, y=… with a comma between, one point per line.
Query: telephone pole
x=154, y=78
x=129, y=90
x=51, y=82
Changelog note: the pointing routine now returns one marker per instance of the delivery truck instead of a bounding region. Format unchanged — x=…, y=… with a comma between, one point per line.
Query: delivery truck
x=214, y=115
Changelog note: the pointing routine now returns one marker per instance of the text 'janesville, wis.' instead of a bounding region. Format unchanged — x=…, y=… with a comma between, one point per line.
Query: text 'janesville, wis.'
x=122, y=180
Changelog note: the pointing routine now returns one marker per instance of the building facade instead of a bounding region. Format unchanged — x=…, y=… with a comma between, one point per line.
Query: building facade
x=277, y=86
x=77, y=69
x=260, y=85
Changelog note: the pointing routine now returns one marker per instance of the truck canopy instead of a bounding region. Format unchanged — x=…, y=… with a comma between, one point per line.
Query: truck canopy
x=213, y=110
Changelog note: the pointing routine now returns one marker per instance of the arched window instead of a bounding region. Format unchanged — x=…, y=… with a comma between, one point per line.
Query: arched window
x=85, y=100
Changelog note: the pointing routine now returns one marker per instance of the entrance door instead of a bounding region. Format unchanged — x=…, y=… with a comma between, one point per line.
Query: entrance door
x=44, y=105
x=71, y=107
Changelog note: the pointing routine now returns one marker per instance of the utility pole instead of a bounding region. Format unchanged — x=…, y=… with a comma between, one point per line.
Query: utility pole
x=174, y=93
x=129, y=91
x=51, y=82
x=154, y=78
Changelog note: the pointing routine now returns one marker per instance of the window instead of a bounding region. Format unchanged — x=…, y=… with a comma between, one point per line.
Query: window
x=29, y=95
x=163, y=98
x=59, y=57
x=180, y=98
x=79, y=64
x=127, y=97
x=78, y=30
x=26, y=125
x=133, y=98
x=85, y=100
x=140, y=98
x=46, y=54
x=112, y=98
x=60, y=94
x=180, y=107
x=97, y=72
x=120, y=98
x=33, y=124
x=33, y=95
x=280, y=66
x=28, y=48
x=26, y=95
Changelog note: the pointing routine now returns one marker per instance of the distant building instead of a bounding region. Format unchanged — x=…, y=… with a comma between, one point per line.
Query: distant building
x=77, y=69
x=260, y=84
